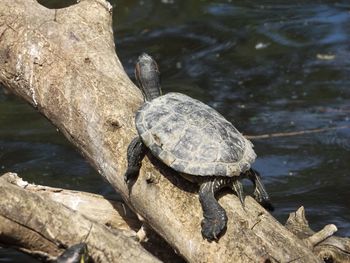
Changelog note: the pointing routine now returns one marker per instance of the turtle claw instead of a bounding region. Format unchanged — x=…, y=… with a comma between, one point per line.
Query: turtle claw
x=260, y=194
x=131, y=174
x=238, y=187
x=213, y=227
x=263, y=200
x=267, y=205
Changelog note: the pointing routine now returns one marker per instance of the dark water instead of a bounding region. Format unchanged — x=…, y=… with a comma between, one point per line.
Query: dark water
x=268, y=66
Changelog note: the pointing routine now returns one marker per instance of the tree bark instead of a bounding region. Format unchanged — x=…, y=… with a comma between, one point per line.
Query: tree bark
x=113, y=214
x=109, y=211
x=43, y=228
x=105, y=211
x=63, y=63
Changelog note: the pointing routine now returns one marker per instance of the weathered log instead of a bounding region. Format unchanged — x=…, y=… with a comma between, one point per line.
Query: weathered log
x=44, y=228
x=110, y=212
x=114, y=214
x=64, y=64
x=105, y=211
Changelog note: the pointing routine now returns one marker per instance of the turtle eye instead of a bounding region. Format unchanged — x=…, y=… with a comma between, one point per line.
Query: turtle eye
x=155, y=66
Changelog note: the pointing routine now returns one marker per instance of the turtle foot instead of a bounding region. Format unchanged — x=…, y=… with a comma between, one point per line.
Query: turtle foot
x=266, y=204
x=131, y=174
x=136, y=152
x=264, y=201
x=260, y=193
x=213, y=227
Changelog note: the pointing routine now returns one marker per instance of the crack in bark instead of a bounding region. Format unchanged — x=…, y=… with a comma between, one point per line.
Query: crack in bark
x=256, y=223
x=28, y=228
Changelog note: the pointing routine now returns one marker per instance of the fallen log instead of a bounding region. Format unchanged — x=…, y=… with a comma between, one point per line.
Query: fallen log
x=106, y=211
x=113, y=214
x=63, y=63
x=44, y=229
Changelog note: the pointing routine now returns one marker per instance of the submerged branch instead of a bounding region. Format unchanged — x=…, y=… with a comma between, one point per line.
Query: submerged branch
x=295, y=133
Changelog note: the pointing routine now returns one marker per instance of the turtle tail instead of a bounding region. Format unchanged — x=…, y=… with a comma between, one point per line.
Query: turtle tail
x=147, y=76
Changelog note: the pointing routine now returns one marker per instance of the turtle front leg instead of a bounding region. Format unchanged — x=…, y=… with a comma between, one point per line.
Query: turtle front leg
x=238, y=188
x=215, y=218
x=135, y=154
x=260, y=193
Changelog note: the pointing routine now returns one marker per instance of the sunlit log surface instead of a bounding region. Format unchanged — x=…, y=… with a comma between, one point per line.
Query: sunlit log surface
x=105, y=211
x=63, y=62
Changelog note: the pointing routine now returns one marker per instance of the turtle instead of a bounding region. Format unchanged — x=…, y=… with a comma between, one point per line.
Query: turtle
x=194, y=140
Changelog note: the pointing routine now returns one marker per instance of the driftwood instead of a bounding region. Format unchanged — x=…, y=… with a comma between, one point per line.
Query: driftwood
x=63, y=63
x=114, y=214
x=333, y=249
x=108, y=211
x=44, y=228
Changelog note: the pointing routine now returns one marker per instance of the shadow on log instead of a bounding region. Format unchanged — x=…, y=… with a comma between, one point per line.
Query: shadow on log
x=63, y=63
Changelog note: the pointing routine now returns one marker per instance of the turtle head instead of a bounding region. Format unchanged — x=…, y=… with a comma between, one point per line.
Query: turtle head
x=147, y=77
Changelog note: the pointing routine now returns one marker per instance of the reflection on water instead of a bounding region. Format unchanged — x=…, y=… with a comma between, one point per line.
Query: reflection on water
x=267, y=66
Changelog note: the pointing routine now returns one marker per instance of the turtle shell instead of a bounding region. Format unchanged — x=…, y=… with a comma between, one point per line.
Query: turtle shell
x=193, y=138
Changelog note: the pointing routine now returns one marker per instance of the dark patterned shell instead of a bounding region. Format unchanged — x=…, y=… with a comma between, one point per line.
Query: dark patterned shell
x=192, y=137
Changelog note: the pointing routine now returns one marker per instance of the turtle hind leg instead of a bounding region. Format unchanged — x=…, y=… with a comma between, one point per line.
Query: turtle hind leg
x=136, y=152
x=215, y=218
x=260, y=193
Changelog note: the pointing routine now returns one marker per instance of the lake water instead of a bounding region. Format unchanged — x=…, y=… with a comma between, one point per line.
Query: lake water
x=267, y=66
